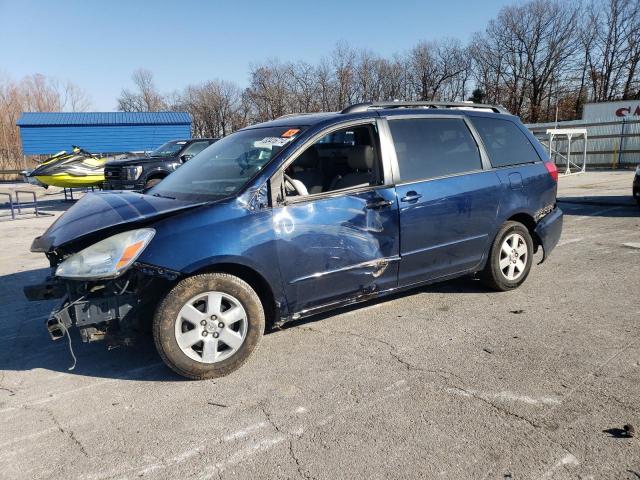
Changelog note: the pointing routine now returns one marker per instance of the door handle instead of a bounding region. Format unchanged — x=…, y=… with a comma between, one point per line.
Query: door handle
x=411, y=196
x=378, y=204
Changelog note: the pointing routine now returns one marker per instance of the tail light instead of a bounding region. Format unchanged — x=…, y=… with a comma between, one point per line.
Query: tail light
x=552, y=169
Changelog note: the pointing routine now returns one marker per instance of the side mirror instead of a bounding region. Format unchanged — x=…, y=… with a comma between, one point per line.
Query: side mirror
x=184, y=158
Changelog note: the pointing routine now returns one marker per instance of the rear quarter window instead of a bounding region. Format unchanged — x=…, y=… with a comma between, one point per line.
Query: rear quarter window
x=430, y=148
x=504, y=141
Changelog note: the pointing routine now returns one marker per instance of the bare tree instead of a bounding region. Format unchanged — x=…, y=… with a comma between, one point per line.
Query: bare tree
x=214, y=106
x=523, y=52
x=74, y=99
x=146, y=98
x=269, y=90
x=35, y=93
x=343, y=59
x=439, y=70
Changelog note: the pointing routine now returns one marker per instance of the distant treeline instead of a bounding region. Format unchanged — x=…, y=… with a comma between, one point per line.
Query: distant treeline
x=530, y=58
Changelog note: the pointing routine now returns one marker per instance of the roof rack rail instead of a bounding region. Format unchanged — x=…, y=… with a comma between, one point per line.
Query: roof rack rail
x=287, y=115
x=363, y=107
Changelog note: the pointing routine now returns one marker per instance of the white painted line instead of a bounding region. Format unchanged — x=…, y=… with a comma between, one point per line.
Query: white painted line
x=505, y=396
x=568, y=459
x=526, y=399
x=31, y=436
x=244, y=454
x=395, y=385
x=569, y=240
x=244, y=432
x=252, y=448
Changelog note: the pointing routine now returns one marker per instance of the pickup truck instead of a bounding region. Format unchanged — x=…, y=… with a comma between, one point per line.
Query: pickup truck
x=144, y=172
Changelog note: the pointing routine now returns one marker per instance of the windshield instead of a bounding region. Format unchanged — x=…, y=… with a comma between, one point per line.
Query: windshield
x=223, y=168
x=168, y=149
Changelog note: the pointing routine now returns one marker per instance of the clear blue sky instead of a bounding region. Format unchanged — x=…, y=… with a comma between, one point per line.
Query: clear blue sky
x=98, y=44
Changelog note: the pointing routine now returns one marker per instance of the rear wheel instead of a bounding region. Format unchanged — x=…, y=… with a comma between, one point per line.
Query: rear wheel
x=208, y=325
x=510, y=258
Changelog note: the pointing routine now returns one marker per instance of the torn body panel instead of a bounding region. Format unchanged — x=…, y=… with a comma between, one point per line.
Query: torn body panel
x=115, y=310
x=337, y=247
x=548, y=231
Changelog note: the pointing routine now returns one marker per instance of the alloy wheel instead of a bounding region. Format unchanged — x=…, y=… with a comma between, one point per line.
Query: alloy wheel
x=513, y=256
x=211, y=327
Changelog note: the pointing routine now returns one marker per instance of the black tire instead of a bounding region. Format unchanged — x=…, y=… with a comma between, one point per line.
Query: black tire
x=492, y=275
x=152, y=183
x=167, y=313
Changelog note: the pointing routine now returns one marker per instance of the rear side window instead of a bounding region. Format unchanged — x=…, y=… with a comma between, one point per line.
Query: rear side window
x=505, y=142
x=433, y=147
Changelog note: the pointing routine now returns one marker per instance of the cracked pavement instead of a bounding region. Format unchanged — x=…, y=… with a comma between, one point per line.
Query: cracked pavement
x=449, y=380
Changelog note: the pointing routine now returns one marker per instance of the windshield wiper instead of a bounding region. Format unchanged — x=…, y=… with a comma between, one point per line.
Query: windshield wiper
x=162, y=196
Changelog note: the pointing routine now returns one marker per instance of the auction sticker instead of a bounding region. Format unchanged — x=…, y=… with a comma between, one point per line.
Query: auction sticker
x=269, y=142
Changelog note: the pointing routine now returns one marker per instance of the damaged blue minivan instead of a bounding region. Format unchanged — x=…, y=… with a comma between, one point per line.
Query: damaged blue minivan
x=296, y=216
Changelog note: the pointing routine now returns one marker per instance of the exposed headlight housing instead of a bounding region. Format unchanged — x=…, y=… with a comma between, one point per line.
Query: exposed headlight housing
x=132, y=173
x=108, y=258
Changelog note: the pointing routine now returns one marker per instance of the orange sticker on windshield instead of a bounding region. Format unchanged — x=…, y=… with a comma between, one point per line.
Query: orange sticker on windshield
x=290, y=133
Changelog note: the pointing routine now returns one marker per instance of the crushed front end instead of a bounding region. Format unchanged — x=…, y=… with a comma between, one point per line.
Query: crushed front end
x=115, y=310
x=104, y=292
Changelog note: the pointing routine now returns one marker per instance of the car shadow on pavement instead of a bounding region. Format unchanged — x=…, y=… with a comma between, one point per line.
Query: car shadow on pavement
x=621, y=206
x=25, y=343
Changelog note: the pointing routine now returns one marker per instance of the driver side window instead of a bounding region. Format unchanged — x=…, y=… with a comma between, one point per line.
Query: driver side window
x=342, y=159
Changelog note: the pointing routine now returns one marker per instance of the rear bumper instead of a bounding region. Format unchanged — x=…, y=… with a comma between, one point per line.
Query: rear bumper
x=549, y=230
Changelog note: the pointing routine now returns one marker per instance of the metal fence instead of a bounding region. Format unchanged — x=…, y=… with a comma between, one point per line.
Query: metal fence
x=611, y=144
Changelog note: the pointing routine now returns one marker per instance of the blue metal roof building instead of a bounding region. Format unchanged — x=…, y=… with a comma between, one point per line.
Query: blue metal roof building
x=100, y=132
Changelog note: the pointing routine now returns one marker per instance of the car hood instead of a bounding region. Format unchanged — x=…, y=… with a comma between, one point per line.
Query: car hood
x=138, y=160
x=101, y=211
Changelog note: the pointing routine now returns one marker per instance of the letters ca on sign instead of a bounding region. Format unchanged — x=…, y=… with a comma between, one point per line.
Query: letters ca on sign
x=628, y=111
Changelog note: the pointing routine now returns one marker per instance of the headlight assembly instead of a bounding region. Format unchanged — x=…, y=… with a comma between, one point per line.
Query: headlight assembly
x=132, y=173
x=108, y=258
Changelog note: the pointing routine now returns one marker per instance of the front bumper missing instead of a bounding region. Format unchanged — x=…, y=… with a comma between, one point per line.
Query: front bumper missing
x=95, y=318
x=98, y=315
x=58, y=323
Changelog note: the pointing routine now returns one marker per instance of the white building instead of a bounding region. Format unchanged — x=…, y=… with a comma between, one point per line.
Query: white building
x=611, y=111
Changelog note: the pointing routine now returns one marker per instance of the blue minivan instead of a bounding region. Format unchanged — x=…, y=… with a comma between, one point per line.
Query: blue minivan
x=299, y=215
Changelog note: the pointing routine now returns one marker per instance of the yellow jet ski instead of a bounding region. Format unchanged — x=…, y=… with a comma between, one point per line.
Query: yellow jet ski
x=76, y=169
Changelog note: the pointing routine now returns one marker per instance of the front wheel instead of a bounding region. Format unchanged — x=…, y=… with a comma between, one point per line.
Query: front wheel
x=152, y=183
x=208, y=325
x=510, y=258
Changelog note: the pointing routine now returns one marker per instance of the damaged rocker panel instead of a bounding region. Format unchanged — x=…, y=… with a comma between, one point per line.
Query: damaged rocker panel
x=379, y=265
